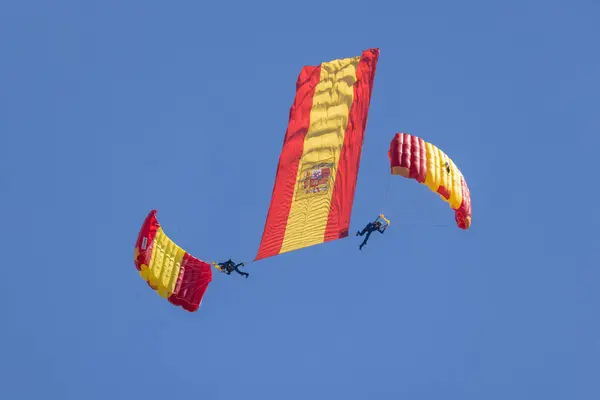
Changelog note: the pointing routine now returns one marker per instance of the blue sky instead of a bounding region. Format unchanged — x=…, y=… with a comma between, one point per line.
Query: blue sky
x=109, y=109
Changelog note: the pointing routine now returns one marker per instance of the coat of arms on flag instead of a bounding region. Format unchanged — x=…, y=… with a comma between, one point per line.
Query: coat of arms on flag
x=315, y=180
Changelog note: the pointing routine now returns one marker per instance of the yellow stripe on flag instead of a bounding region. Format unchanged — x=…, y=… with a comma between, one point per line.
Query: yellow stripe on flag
x=323, y=144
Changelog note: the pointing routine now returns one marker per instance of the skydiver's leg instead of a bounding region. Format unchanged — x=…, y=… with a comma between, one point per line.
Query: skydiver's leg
x=365, y=229
x=365, y=241
x=240, y=272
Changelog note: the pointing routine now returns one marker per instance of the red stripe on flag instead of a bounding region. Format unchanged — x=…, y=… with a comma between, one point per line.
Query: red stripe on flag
x=338, y=222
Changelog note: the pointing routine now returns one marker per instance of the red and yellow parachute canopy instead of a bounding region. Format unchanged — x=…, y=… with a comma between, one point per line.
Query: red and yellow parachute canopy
x=168, y=269
x=413, y=158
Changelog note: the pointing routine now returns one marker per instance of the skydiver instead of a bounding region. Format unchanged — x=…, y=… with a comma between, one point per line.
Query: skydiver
x=229, y=266
x=370, y=228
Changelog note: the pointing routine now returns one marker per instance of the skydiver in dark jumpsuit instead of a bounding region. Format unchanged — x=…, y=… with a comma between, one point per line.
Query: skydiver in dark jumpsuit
x=229, y=266
x=370, y=228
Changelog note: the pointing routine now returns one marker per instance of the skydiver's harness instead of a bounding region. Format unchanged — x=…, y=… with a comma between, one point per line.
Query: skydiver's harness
x=226, y=268
x=372, y=226
x=384, y=221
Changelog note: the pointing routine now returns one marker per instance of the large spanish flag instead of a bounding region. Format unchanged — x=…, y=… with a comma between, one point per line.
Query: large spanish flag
x=318, y=166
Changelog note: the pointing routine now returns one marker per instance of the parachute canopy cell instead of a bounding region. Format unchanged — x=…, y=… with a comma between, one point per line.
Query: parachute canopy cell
x=168, y=269
x=413, y=158
x=318, y=165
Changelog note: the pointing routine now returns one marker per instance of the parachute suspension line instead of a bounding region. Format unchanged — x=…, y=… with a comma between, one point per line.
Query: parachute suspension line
x=385, y=209
x=429, y=225
x=384, y=205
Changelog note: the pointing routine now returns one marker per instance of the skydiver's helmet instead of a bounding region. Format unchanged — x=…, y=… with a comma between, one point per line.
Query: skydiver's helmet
x=447, y=165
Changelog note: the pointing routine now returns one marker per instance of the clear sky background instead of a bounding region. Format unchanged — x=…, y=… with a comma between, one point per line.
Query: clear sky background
x=109, y=109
